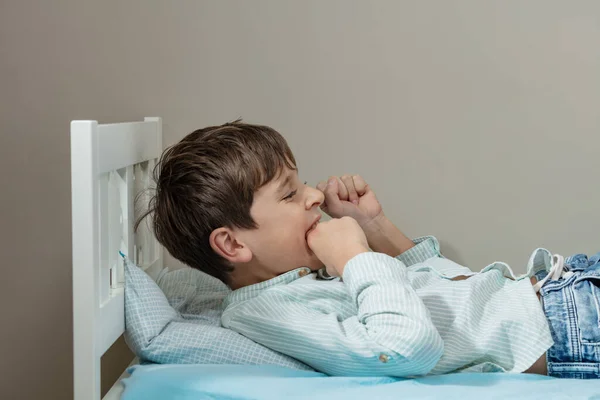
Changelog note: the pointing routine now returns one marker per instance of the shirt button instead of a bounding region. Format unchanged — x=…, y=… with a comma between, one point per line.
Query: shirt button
x=383, y=358
x=302, y=273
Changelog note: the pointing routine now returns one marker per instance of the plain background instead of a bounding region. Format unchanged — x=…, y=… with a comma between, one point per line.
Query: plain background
x=475, y=121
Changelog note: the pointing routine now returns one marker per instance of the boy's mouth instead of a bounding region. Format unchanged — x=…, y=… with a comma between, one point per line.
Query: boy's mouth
x=313, y=226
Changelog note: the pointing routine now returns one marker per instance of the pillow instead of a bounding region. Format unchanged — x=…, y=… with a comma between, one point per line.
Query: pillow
x=194, y=294
x=184, y=327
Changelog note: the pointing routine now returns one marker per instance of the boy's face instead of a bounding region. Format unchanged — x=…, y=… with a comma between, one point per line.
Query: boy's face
x=285, y=209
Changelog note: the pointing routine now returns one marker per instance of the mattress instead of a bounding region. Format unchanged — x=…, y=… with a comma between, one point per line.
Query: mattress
x=183, y=382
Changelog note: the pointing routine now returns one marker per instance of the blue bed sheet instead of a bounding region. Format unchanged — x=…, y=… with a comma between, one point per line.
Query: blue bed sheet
x=187, y=382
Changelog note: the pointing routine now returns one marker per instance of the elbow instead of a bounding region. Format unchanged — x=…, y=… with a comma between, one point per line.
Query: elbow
x=426, y=352
x=418, y=355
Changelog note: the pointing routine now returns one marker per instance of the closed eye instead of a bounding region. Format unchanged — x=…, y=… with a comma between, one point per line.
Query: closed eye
x=291, y=195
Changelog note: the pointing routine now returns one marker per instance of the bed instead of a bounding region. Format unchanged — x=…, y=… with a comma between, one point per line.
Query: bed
x=111, y=165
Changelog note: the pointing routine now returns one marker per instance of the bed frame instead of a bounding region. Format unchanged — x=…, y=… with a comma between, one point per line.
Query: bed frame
x=110, y=165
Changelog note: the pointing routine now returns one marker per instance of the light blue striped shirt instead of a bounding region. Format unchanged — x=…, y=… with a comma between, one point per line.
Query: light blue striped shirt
x=400, y=316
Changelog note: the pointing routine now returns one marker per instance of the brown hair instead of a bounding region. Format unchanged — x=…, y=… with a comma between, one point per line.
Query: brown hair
x=207, y=181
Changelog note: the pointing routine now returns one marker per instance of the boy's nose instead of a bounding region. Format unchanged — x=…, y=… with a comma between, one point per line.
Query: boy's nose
x=314, y=198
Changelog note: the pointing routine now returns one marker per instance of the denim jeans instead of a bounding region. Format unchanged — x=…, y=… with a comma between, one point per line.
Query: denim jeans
x=572, y=307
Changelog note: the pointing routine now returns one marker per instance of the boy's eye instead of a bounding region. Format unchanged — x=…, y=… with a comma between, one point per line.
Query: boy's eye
x=291, y=195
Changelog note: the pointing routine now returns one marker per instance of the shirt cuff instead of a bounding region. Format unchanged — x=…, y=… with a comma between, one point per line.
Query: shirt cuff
x=426, y=247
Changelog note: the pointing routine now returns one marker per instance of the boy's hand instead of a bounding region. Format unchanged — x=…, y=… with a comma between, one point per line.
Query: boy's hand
x=350, y=196
x=336, y=242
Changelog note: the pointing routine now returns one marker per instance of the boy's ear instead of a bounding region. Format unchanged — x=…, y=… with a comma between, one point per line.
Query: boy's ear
x=225, y=243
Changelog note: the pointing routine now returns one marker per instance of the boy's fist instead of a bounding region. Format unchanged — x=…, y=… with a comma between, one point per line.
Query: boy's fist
x=350, y=196
x=337, y=241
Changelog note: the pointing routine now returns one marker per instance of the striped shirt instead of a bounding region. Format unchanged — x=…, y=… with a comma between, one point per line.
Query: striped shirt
x=400, y=316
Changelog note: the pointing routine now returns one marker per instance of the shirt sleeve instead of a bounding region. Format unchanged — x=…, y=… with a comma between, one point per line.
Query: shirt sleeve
x=390, y=331
x=426, y=247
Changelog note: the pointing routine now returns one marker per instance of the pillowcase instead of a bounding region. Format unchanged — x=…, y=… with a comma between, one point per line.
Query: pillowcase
x=183, y=324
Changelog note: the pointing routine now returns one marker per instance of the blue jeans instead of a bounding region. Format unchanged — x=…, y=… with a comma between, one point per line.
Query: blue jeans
x=572, y=307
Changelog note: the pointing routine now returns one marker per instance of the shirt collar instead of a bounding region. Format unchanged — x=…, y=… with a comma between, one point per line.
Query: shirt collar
x=251, y=291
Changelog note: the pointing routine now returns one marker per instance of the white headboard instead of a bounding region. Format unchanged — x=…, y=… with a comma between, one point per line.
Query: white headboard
x=110, y=165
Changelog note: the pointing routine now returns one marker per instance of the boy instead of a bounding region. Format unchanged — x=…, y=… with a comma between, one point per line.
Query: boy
x=229, y=202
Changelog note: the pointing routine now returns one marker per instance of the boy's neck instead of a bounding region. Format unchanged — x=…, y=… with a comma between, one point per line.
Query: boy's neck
x=248, y=274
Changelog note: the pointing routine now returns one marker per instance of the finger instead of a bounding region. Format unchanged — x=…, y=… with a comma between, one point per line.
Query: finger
x=342, y=190
x=360, y=185
x=349, y=183
x=332, y=199
x=321, y=186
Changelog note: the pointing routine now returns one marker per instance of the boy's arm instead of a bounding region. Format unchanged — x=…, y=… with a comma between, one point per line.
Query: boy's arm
x=351, y=196
x=384, y=237
x=391, y=333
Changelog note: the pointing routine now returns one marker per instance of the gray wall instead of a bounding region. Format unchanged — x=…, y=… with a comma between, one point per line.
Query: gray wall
x=474, y=121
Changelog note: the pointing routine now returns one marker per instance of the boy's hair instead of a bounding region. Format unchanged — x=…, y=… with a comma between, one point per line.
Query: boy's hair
x=207, y=181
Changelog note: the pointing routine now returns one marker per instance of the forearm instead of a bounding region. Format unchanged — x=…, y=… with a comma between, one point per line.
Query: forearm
x=384, y=237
